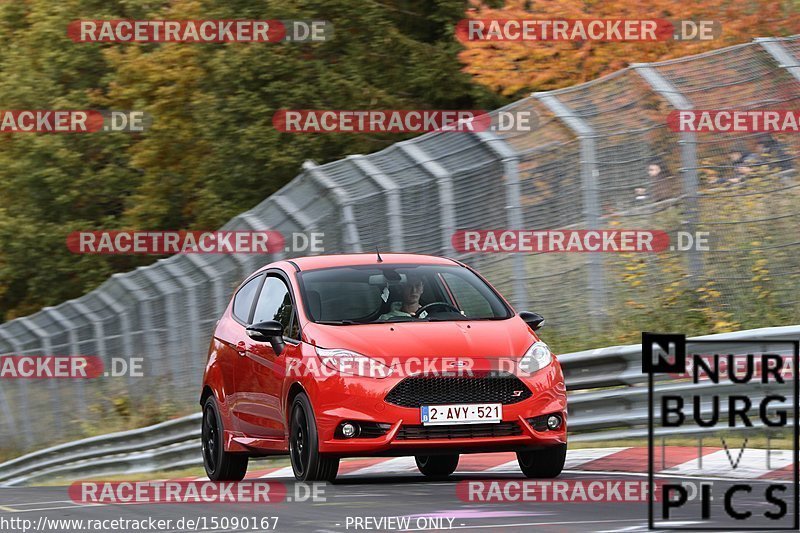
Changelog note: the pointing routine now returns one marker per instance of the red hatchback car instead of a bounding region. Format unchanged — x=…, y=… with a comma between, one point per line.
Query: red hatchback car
x=361, y=355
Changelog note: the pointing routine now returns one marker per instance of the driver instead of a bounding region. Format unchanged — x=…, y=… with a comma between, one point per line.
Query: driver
x=411, y=291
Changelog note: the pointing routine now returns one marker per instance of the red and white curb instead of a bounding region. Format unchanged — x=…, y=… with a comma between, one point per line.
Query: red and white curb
x=675, y=460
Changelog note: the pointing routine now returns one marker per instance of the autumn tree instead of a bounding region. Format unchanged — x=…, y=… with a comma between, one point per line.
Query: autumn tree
x=514, y=68
x=211, y=151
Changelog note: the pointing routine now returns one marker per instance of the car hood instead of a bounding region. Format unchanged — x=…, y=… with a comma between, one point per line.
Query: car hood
x=462, y=338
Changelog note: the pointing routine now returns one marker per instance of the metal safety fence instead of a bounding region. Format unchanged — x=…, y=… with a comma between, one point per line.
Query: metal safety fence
x=601, y=156
x=608, y=402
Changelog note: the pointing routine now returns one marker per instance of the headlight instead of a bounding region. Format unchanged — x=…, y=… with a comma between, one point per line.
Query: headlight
x=352, y=363
x=536, y=358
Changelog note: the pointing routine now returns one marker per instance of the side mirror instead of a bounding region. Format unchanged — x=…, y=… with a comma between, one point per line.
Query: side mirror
x=270, y=331
x=534, y=320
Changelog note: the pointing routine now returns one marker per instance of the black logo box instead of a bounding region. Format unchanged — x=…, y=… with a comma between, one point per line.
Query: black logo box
x=679, y=341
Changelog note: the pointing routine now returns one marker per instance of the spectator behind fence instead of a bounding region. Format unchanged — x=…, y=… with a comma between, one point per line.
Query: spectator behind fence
x=660, y=182
x=736, y=168
x=744, y=168
x=772, y=153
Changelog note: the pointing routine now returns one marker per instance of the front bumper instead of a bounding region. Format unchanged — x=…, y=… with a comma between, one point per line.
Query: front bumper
x=359, y=399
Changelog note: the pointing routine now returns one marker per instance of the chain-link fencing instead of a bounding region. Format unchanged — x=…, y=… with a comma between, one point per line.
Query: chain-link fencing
x=601, y=156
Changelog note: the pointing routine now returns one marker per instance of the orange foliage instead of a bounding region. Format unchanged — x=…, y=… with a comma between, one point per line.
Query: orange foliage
x=513, y=68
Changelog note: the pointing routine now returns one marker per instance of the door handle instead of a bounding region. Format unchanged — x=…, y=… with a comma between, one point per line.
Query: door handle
x=241, y=348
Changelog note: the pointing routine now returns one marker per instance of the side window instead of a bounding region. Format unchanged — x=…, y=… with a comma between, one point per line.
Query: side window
x=243, y=301
x=469, y=298
x=275, y=303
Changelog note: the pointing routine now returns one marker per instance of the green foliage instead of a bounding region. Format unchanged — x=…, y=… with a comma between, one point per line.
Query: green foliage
x=212, y=151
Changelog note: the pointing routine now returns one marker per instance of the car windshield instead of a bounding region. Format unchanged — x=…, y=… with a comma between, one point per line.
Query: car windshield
x=398, y=293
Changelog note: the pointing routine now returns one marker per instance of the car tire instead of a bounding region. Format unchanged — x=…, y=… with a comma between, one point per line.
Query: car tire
x=219, y=464
x=307, y=463
x=546, y=463
x=437, y=466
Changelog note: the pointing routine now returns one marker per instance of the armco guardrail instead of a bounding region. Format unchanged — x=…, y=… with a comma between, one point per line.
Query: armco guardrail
x=608, y=401
x=175, y=443
x=620, y=410
x=622, y=365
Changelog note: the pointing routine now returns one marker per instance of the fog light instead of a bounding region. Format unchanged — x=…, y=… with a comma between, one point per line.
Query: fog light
x=553, y=422
x=348, y=430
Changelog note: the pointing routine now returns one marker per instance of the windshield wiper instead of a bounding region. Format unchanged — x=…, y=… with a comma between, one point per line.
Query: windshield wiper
x=339, y=322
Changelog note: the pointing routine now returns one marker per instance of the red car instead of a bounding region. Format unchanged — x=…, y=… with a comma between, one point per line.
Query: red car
x=366, y=355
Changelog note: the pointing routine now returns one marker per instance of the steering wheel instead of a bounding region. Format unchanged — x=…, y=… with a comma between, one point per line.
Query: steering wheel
x=422, y=312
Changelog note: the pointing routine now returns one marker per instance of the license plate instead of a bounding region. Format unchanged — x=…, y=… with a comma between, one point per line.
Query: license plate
x=468, y=413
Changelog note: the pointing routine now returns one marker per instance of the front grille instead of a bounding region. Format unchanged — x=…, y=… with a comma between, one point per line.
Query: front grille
x=459, y=431
x=416, y=391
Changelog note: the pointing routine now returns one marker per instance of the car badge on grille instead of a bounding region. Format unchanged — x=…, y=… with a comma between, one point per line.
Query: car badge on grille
x=516, y=393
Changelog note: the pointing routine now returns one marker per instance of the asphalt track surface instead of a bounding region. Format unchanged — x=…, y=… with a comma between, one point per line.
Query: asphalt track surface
x=393, y=495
